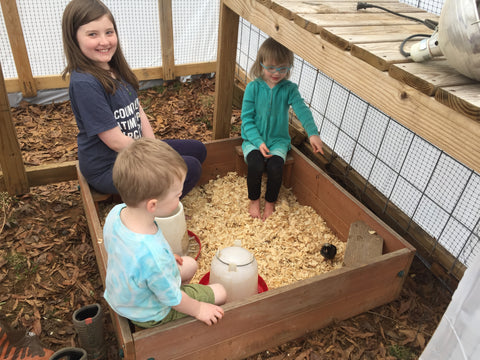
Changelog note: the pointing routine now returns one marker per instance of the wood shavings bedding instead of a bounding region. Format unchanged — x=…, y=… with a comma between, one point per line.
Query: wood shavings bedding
x=286, y=246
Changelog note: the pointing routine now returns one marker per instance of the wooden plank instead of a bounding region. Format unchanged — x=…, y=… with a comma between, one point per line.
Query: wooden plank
x=166, y=37
x=428, y=76
x=121, y=324
x=315, y=22
x=345, y=37
x=381, y=55
x=14, y=176
x=94, y=226
x=220, y=158
x=46, y=174
x=18, y=47
x=363, y=244
x=288, y=9
x=153, y=73
x=463, y=99
x=278, y=315
x=225, y=74
x=442, y=126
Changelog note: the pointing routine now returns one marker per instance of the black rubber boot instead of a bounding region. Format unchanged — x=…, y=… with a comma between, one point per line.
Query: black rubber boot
x=70, y=354
x=88, y=322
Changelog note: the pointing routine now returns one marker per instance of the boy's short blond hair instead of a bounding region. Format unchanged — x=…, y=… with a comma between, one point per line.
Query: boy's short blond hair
x=146, y=169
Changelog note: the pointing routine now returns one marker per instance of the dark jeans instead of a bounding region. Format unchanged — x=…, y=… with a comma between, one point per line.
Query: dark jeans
x=193, y=152
x=257, y=164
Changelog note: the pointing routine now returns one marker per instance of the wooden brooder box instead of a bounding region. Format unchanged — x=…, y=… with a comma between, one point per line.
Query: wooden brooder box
x=278, y=315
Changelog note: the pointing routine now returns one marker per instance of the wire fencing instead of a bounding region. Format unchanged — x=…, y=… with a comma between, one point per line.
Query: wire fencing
x=431, y=188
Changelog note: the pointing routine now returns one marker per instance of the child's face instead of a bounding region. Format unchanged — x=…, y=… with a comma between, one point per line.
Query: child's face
x=167, y=205
x=98, y=41
x=271, y=75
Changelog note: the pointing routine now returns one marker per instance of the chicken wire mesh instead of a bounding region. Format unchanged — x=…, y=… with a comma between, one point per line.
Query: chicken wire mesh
x=194, y=29
x=431, y=188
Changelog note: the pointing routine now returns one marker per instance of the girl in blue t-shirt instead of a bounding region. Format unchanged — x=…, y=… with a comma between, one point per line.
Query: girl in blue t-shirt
x=103, y=94
x=266, y=139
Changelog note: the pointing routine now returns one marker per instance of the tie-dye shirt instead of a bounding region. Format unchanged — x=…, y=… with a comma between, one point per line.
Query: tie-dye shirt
x=143, y=279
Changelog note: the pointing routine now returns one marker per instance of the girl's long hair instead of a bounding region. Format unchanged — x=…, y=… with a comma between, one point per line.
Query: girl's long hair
x=271, y=50
x=81, y=12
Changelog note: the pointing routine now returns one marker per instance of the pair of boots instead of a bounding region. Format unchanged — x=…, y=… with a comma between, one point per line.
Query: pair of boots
x=88, y=322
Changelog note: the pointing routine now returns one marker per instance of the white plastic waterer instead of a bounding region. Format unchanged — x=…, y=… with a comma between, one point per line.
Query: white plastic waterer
x=237, y=270
x=174, y=228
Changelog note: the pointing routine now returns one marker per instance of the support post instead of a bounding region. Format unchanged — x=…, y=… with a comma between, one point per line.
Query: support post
x=226, y=61
x=166, y=37
x=19, y=49
x=11, y=161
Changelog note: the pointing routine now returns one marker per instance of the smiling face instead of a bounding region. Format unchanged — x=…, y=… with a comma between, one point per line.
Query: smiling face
x=271, y=75
x=98, y=41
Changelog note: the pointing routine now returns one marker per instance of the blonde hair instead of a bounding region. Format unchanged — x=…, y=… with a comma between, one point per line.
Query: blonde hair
x=81, y=12
x=271, y=51
x=147, y=169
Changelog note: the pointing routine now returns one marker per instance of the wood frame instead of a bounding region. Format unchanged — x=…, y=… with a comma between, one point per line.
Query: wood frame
x=278, y=315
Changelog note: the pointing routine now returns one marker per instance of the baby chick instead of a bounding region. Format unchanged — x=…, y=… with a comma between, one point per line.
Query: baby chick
x=328, y=251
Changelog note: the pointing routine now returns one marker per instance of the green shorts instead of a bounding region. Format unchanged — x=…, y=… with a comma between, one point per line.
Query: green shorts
x=203, y=293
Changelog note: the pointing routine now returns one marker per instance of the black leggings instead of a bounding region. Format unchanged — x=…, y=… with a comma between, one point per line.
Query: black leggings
x=257, y=164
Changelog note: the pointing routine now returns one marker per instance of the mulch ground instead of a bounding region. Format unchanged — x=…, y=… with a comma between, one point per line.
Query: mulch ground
x=48, y=267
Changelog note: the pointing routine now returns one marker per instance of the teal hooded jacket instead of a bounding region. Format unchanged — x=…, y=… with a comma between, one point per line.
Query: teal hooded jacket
x=265, y=116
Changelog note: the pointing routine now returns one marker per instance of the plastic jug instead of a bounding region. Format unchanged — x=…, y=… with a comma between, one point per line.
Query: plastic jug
x=174, y=228
x=237, y=270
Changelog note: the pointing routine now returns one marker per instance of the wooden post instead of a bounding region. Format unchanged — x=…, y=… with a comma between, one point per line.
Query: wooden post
x=166, y=37
x=226, y=61
x=11, y=161
x=19, y=49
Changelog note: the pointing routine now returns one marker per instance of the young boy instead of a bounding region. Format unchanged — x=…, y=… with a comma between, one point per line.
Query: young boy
x=145, y=281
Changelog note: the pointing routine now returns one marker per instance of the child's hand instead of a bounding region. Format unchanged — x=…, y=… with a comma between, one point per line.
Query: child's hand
x=209, y=313
x=316, y=143
x=178, y=259
x=265, y=151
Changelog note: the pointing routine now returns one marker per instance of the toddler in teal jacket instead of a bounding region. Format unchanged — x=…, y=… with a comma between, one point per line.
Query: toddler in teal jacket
x=266, y=139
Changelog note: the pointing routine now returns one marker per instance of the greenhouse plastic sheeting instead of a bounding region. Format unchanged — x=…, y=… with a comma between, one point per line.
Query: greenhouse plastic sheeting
x=457, y=337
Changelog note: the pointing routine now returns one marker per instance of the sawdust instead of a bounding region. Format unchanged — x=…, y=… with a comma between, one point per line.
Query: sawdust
x=217, y=213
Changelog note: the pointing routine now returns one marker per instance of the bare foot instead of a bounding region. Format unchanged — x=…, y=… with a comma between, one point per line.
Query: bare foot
x=254, y=209
x=269, y=209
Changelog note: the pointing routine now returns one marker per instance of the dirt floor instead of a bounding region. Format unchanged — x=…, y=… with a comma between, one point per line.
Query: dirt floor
x=48, y=267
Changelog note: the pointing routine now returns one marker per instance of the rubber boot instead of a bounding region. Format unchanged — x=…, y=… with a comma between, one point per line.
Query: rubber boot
x=70, y=354
x=18, y=344
x=88, y=322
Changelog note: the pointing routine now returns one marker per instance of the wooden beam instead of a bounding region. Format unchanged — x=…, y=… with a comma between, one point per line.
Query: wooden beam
x=19, y=49
x=226, y=61
x=11, y=162
x=42, y=174
x=153, y=73
x=166, y=37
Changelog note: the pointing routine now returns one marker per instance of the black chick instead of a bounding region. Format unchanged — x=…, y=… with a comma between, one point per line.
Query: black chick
x=328, y=251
